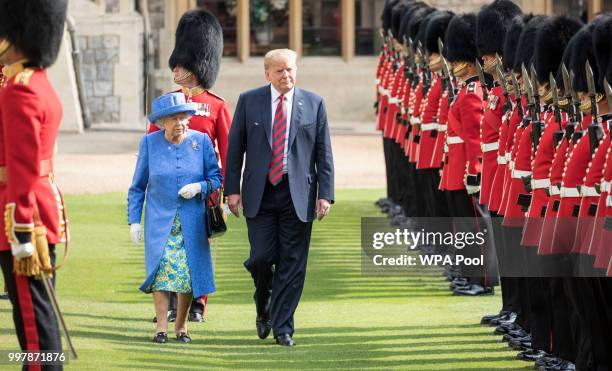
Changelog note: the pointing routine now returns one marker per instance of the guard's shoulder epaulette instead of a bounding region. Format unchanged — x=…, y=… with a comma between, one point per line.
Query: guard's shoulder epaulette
x=215, y=95
x=23, y=77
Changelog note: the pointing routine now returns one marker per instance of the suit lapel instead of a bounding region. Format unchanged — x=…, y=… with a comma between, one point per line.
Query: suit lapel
x=266, y=119
x=296, y=114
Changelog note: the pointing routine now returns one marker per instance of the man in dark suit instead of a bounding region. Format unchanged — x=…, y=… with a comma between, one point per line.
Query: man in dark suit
x=288, y=177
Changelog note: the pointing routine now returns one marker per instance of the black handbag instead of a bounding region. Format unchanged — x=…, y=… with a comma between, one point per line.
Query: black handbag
x=215, y=218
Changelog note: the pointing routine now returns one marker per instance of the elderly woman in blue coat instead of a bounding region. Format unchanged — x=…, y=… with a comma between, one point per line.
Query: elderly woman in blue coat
x=176, y=168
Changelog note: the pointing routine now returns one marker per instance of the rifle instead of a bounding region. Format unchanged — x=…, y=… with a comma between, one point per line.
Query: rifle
x=555, y=95
x=424, y=68
x=595, y=130
x=502, y=83
x=537, y=126
x=483, y=82
x=517, y=94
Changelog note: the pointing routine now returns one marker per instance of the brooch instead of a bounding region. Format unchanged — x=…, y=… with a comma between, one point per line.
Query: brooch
x=195, y=145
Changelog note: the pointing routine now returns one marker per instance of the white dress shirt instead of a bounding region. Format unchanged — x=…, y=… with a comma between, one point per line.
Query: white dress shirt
x=287, y=105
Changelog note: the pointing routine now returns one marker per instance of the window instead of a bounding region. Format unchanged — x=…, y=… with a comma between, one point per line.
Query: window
x=367, y=24
x=225, y=11
x=322, y=27
x=269, y=25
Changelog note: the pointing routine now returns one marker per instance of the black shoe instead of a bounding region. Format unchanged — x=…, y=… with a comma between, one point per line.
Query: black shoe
x=263, y=327
x=171, y=316
x=195, y=317
x=515, y=335
x=285, y=340
x=561, y=366
x=459, y=282
x=503, y=329
x=507, y=318
x=486, y=320
x=521, y=343
x=547, y=362
x=183, y=337
x=531, y=355
x=474, y=290
x=160, y=337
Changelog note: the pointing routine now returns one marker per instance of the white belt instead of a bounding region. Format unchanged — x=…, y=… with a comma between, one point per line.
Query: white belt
x=501, y=160
x=415, y=120
x=393, y=100
x=508, y=156
x=488, y=147
x=510, y=164
x=605, y=186
x=519, y=174
x=569, y=192
x=441, y=127
x=609, y=201
x=428, y=127
x=554, y=190
x=540, y=183
x=588, y=192
x=445, y=147
x=454, y=140
x=384, y=91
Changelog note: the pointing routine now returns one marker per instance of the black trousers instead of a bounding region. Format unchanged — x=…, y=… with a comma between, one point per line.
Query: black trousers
x=277, y=261
x=35, y=322
x=510, y=295
x=198, y=305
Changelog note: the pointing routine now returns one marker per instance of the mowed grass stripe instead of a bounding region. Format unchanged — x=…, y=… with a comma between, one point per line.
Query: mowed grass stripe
x=345, y=319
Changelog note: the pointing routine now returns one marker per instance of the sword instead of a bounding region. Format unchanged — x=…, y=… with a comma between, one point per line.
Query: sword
x=608, y=90
x=58, y=313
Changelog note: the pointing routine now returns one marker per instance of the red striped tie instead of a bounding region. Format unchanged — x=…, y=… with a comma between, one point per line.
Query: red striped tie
x=279, y=132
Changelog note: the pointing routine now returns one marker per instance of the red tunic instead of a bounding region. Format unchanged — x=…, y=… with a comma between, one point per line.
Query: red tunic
x=392, y=106
x=463, y=135
x=213, y=118
x=414, y=114
x=600, y=242
x=489, y=137
x=383, y=96
x=30, y=116
x=496, y=198
x=429, y=125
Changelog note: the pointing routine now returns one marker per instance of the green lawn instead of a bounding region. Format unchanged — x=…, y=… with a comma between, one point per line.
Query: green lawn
x=345, y=320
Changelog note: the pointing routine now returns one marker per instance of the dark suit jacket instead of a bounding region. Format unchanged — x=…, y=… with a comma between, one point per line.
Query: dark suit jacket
x=310, y=164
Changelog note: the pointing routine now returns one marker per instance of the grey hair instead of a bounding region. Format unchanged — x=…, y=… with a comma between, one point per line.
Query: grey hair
x=276, y=54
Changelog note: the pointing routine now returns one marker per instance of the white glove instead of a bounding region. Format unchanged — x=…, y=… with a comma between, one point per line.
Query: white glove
x=22, y=250
x=190, y=190
x=471, y=189
x=136, y=233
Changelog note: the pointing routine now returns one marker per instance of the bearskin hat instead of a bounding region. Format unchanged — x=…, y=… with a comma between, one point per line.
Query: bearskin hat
x=422, y=34
x=34, y=27
x=416, y=25
x=386, y=15
x=396, y=18
x=409, y=12
x=198, y=46
x=583, y=51
x=551, y=40
x=602, y=42
x=526, y=45
x=492, y=23
x=460, y=40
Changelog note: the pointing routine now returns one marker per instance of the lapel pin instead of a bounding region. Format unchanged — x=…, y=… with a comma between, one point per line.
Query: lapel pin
x=195, y=145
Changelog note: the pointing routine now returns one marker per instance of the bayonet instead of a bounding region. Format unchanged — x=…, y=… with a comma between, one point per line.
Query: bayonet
x=517, y=94
x=537, y=126
x=555, y=94
x=449, y=79
x=528, y=92
x=502, y=83
x=483, y=82
x=575, y=99
x=608, y=90
x=591, y=86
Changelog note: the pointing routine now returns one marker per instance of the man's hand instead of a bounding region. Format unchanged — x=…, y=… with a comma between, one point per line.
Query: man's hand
x=22, y=250
x=190, y=190
x=235, y=204
x=323, y=207
x=136, y=233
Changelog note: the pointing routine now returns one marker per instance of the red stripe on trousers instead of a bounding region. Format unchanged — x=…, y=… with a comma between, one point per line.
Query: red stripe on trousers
x=26, y=307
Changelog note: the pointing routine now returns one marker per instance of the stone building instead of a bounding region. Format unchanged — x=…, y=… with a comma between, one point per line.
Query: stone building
x=118, y=61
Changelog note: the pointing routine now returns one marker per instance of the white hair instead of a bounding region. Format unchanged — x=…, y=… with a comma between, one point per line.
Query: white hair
x=277, y=54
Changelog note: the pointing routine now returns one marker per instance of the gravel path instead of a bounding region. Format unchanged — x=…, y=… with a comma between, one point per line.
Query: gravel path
x=103, y=161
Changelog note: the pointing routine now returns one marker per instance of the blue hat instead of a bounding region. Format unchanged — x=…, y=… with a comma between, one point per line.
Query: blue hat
x=171, y=104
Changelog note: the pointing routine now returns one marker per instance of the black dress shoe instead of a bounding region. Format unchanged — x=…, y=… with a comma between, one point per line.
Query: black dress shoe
x=285, y=340
x=509, y=317
x=474, y=290
x=561, y=366
x=263, y=327
x=195, y=317
x=160, y=337
x=515, y=335
x=520, y=344
x=4, y=296
x=183, y=337
x=171, y=316
x=503, y=329
x=531, y=355
x=486, y=319
x=547, y=361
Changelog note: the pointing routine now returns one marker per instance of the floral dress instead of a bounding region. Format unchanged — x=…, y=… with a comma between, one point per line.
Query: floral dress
x=173, y=272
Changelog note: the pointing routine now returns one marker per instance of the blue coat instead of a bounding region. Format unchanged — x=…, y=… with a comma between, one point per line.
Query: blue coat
x=162, y=169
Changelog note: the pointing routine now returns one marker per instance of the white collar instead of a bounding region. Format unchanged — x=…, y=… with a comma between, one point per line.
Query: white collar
x=276, y=94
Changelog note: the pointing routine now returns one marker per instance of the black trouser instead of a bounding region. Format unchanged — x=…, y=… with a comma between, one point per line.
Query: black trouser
x=436, y=205
x=197, y=304
x=462, y=209
x=509, y=289
x=35, y=322
x=277, y=261
x=409, y=186
x=514, y=257
x=389, y=168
